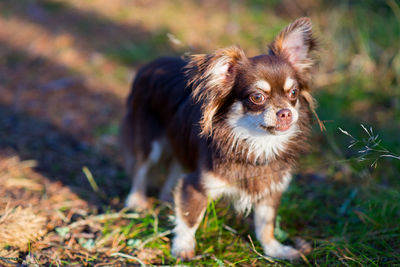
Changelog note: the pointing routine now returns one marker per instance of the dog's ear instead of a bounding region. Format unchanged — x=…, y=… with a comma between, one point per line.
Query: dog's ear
x=295, y=43
x=212, y=78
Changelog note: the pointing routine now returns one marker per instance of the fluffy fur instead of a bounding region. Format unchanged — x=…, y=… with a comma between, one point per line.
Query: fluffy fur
x=235, y=124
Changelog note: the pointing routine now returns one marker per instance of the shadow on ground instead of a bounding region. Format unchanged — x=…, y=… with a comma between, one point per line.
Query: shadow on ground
x=60, y=156
x=126, y=43
x=48, y=114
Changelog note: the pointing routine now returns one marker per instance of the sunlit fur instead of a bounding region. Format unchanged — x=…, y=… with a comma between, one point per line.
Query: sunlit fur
x=263, y=85
x=234, y=126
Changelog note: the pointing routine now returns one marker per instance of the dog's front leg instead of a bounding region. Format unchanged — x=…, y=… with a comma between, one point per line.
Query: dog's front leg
x=190, y=204
x=264, y=219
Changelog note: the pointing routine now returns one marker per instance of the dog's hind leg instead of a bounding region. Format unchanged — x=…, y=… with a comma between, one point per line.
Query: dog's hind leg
x=175, y=172
x=190, y=204
x=137, y=196
x=139, y=168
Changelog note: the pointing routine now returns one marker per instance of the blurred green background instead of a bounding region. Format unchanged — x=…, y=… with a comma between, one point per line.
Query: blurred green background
x=66, y=68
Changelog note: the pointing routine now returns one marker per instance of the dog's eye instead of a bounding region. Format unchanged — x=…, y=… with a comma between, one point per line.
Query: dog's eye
x=293, y=93
x=257, y=98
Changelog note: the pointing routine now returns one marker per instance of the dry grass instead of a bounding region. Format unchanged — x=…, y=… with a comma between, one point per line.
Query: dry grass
x=19, y=227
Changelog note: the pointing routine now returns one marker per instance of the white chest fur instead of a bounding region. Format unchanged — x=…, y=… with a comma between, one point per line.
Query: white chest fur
x=246, y=127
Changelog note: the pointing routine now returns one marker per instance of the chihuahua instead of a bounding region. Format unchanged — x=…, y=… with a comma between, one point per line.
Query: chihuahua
x=235, y=126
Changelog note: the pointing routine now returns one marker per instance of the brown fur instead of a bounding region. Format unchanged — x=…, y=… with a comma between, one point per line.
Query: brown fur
x=189, y=101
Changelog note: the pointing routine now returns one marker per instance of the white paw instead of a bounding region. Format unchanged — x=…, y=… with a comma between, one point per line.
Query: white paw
x=277, y=250
x=137, y=201
x=183, y=248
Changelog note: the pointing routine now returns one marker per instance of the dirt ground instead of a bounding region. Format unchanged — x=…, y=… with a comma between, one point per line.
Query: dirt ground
x=53, y=121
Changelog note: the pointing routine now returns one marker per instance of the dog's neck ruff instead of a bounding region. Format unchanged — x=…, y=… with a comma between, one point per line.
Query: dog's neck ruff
x=254, y=143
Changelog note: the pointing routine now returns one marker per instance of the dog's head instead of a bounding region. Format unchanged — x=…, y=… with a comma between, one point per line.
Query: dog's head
x=259, y=96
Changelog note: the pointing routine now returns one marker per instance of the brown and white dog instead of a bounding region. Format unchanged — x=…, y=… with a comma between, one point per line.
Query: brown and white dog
x=235, y=126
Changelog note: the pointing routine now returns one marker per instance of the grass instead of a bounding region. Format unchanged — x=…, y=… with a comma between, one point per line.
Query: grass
x=347, y=209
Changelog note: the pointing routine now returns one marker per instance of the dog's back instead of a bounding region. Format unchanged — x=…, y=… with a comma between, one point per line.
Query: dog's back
x=161, y=80
x=159, y=101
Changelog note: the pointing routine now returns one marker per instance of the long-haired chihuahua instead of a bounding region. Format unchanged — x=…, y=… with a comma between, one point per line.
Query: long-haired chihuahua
x=235, y=126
